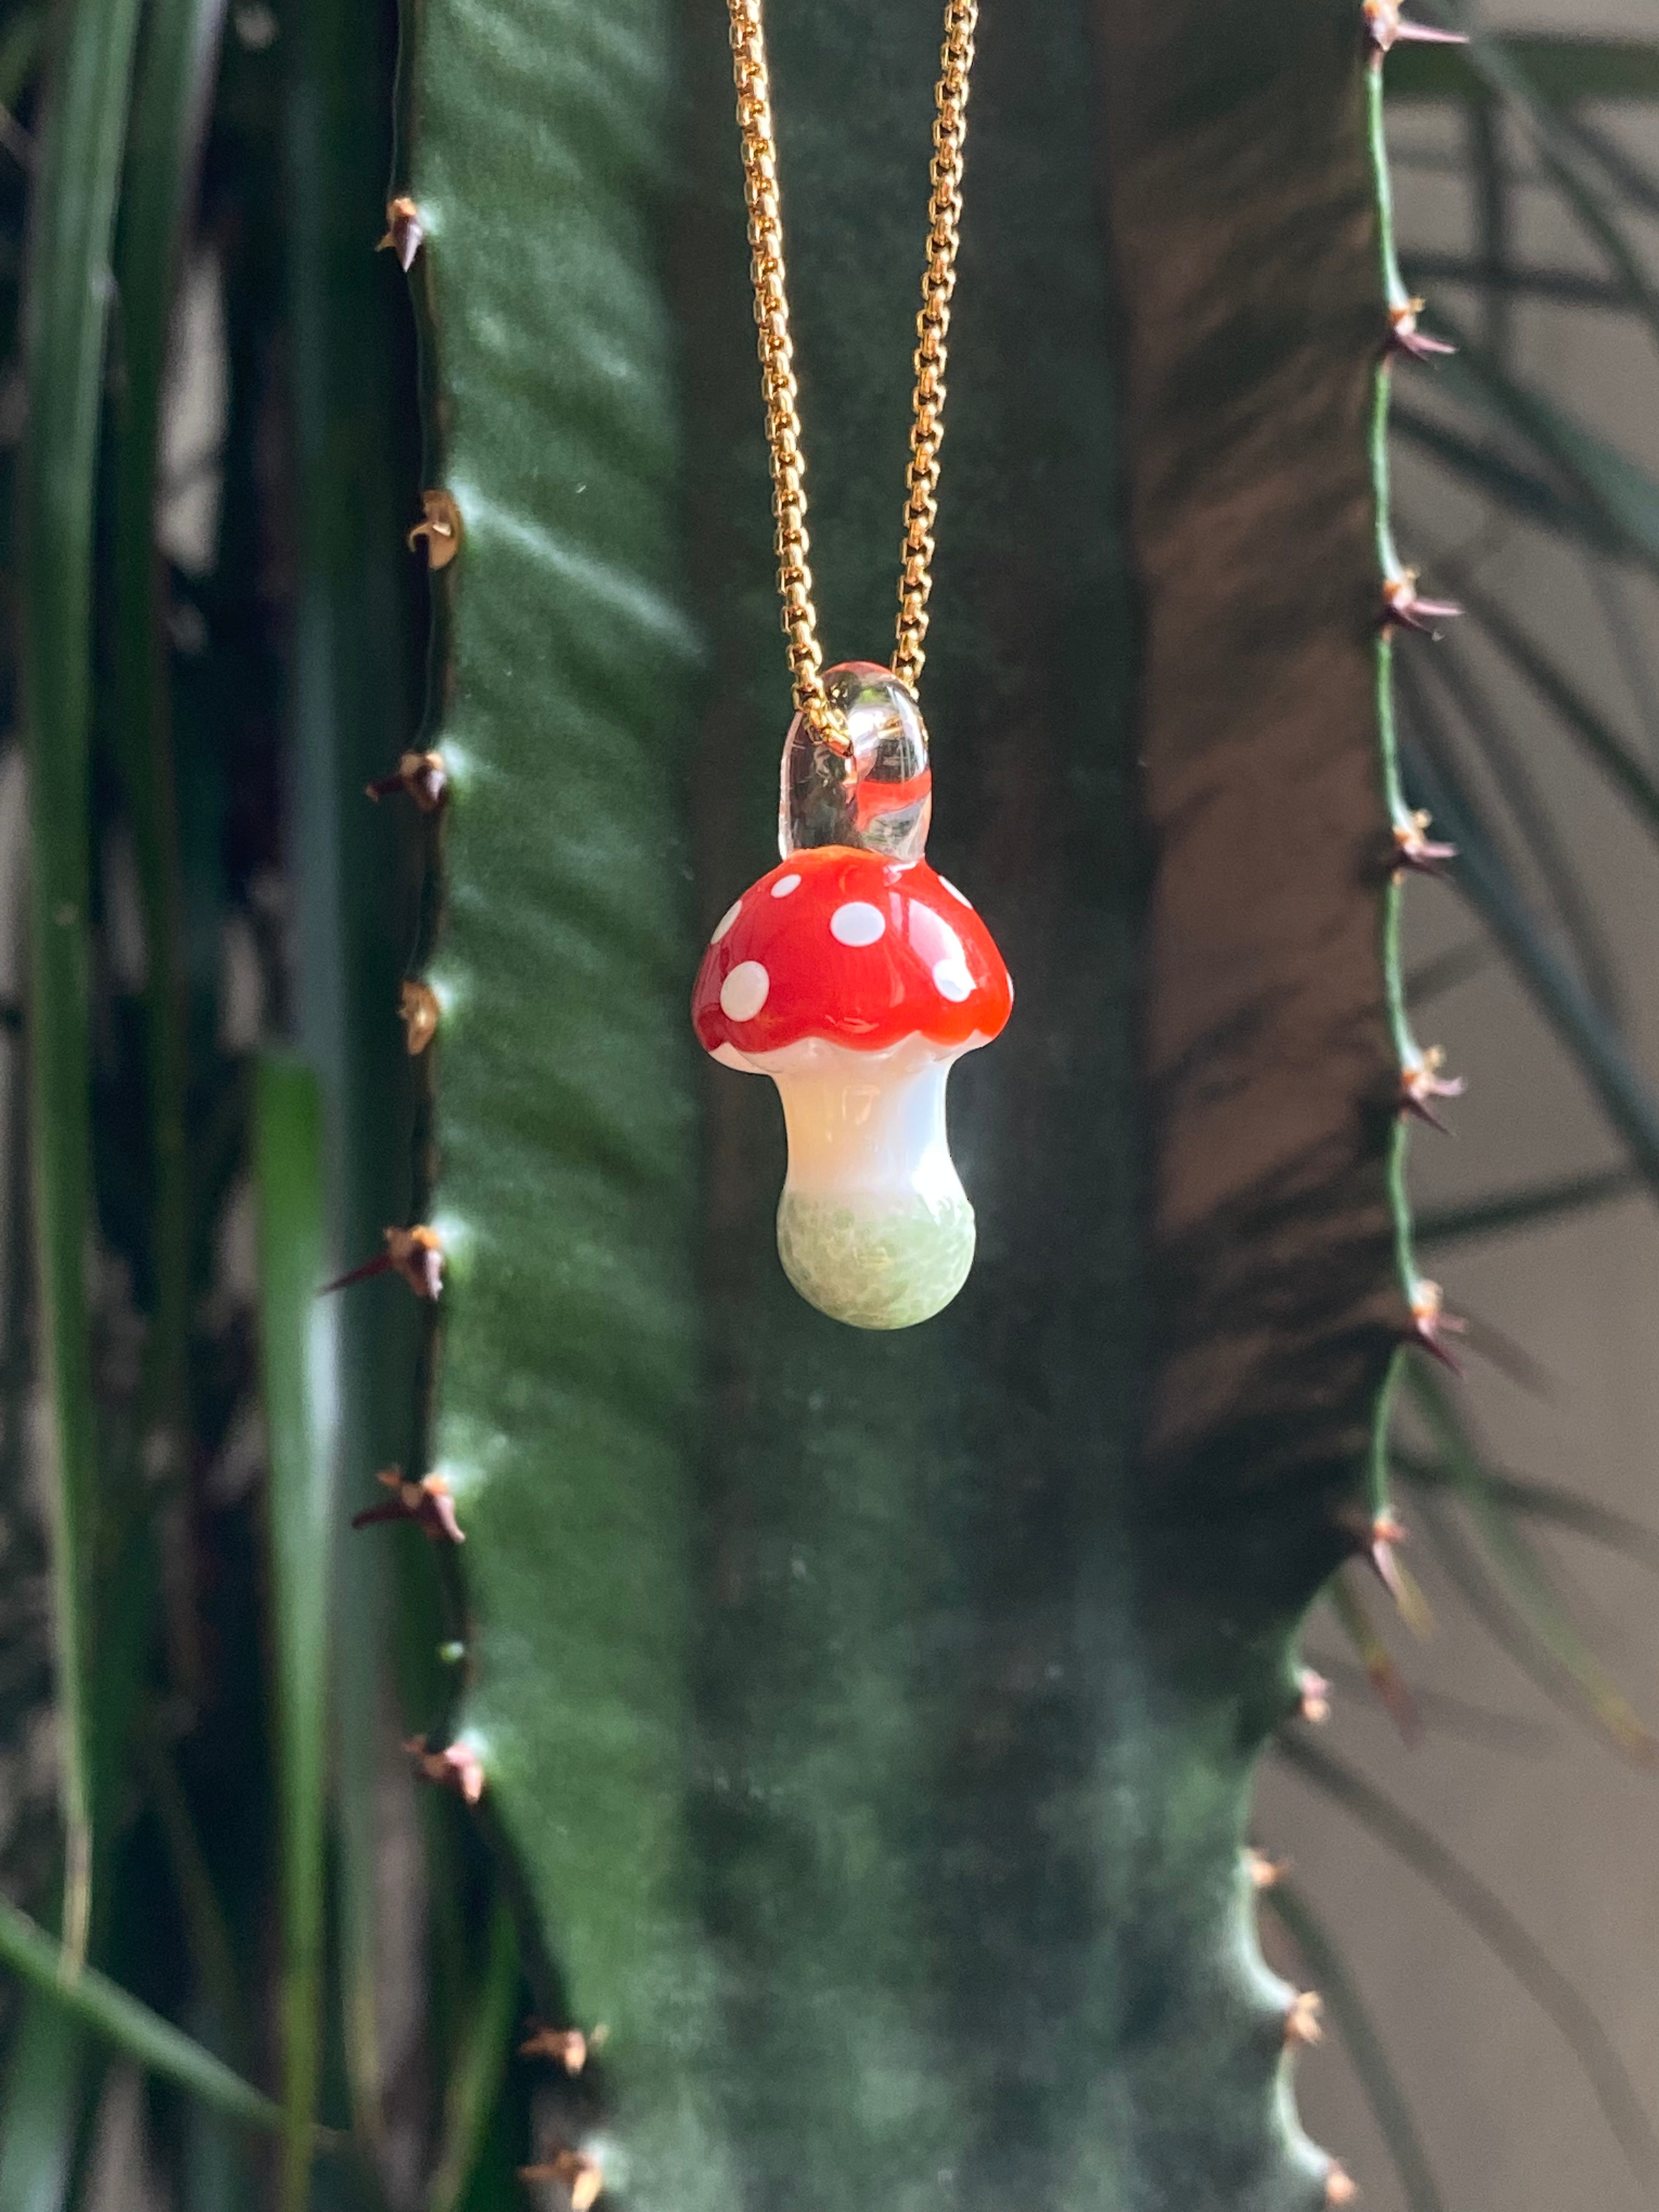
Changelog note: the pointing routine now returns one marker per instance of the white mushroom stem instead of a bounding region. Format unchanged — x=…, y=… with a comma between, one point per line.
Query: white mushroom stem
x=874, y=1227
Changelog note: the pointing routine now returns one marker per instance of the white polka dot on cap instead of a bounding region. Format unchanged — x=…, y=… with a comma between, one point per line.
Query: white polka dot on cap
x=744, y=992
x=951, y=979
x=784, y=885
x=726, y=921
x=858, y=922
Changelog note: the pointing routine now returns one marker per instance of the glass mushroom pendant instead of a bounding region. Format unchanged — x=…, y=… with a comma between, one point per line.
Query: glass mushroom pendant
x=854, y=977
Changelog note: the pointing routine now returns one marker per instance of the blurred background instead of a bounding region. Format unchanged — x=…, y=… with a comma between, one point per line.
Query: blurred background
x=1500, y=1917
x=1563, y=1377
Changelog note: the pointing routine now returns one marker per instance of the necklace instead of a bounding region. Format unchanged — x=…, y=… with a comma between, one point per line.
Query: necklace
x=852, y=974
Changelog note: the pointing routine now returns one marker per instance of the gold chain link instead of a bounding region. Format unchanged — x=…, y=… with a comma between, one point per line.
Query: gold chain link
x=778, y=385
x=938, y=282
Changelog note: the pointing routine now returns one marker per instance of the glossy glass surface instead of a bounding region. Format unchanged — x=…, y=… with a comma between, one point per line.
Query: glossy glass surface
x=841, y=945
x=881, y=799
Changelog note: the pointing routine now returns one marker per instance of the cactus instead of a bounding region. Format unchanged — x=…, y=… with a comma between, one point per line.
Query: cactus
x=876, y=1741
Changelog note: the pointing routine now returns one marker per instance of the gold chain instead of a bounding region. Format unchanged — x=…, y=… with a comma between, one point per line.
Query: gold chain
x=938, y=282
x=778, y=385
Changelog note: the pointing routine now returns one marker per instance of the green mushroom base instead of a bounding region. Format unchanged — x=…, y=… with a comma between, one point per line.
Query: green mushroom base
x=874, y=1260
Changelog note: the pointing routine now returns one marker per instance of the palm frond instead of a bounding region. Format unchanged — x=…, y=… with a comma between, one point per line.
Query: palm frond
x=1475, y=1218
x=1323, y=1956
x=1502, y=1931
x=1595, y=1048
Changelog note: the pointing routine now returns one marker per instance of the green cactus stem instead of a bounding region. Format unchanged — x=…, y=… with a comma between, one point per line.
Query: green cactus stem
x=1418, y=1069
x=873, y=1717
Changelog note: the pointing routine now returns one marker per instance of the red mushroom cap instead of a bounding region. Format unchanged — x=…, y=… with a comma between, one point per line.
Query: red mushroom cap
x=849, y=945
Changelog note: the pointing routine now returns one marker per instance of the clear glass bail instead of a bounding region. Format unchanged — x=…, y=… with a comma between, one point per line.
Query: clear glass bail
x=881, y=798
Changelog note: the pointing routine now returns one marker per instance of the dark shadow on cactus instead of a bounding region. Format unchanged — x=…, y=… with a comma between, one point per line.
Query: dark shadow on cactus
x=1000, y=1613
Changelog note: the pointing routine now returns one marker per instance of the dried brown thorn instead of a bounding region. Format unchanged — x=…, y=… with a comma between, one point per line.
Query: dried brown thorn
x=1404, y=607
x=1421, y=1082
x=1386, y=27
x=455, y=1767
x=575, y=2172
x=1385, y=1532
x=415, y=1253
x=1314, y=1697
x=440, y=526
x=418, y=1256
x=422, y=776
x=1264, y=1873
x=403, y=231
x=569, y=2046
x=1430, y=1324
x=380, y=1265
x=417, y=1004
x=1378, y=1540
x=1303, y=2023
x=1405, y=336
x=1414, y=848
x=428, y=1503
